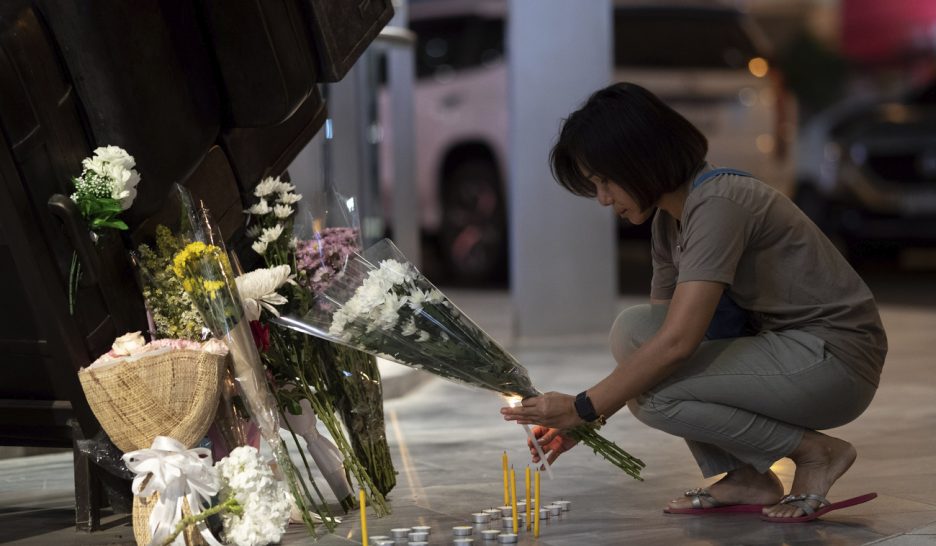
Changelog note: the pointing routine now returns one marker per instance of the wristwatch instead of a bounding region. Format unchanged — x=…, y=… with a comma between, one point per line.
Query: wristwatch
x=586, y=410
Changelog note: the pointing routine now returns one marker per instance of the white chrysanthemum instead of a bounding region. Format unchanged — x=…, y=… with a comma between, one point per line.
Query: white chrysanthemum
x=282, y=211
x=267, y=186
x=258, y=290
x=254, y=231
x=264, y=499
x=271, y=234
x=374, y=302
x=260, y=208
x=409, y=328
x=259, y=247
x=289, y=198
x=283, y=187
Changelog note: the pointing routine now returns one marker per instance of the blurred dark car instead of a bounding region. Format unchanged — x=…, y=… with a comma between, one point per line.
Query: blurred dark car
x=867, y=173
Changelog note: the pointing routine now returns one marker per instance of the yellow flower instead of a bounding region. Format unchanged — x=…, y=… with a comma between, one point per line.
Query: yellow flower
x=191, y=250
x=212, y=287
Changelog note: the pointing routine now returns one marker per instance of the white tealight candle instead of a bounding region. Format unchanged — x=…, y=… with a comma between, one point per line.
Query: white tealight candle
x=420, y=543
x=377, y=538
x=566, y=505
x=422, y=529
x=401, y=532
x=490, y=534
x=385, y=543
x=554, y=510
x=506, y=511
x=507, y=523
x=543, y=513
x=493, y=513
x=417, y=537
x=480, y=517
x=462, y=531
x=506, y=538
x=464, y=541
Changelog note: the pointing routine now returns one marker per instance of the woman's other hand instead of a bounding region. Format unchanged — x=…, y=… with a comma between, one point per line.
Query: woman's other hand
x=553, y=410
x=553, y=443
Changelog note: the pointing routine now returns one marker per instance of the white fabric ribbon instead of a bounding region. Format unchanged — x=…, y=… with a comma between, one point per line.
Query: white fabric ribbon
x=175, y=473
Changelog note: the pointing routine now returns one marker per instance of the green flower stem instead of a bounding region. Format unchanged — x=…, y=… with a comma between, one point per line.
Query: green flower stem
x=589, y=436
x=327, y=517
x=360, y=402
x=230, y=505
x=296, y=353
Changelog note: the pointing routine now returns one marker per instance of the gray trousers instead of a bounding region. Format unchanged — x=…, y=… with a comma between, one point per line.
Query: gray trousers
x=744, y=400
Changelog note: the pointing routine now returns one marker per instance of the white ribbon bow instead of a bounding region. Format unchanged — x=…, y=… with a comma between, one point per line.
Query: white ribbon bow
x=175, y=473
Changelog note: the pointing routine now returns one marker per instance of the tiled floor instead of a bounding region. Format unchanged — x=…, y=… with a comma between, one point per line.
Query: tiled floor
x=447, y=442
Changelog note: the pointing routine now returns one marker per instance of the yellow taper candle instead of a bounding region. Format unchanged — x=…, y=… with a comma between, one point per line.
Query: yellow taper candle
x=506, y=491
x=362, y=498
x=513, y=500
x=529, y=499
x=536, y=489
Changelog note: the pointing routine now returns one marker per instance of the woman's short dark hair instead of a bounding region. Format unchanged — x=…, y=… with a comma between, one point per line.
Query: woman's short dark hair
x=628, y=136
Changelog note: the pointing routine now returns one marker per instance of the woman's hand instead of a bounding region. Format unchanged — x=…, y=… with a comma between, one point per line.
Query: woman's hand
x=553, y=410
x=553, y=443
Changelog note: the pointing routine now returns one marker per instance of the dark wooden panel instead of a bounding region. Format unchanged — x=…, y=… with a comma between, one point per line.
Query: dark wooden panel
x=342, y=30
x=265, y=58
x=143, y=76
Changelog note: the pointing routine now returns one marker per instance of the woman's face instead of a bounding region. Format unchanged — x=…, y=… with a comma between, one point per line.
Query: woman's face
x=610, y=194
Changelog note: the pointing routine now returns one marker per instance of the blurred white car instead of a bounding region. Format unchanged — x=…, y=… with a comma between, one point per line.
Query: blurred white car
x=709, y=63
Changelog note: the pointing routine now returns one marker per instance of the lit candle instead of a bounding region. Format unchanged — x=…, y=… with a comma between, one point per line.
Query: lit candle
x=362, y=500
x=513, y=499
x=528, y=503
x=536, y=500
x=506, y=494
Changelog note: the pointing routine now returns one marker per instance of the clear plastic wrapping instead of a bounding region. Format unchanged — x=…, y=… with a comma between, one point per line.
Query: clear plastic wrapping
x=380, y=303
x=204, y=268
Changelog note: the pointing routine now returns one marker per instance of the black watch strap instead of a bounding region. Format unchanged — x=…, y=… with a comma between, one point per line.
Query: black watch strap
x=585, y=408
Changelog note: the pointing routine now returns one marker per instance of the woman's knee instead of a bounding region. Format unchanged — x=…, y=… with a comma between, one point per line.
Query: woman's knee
x=634, y=327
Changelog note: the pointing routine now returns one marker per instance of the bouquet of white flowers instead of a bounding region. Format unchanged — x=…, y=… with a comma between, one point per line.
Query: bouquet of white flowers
x=105, y=188
x=381, y=304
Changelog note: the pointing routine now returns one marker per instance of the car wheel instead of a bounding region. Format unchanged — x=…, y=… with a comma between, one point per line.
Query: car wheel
x=473, y=233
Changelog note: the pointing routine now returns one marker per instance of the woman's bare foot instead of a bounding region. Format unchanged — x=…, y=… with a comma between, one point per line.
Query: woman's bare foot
x=741, y=486
x=820, y=461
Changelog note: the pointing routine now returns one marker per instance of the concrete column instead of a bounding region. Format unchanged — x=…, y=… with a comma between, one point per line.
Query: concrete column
x=562, y=247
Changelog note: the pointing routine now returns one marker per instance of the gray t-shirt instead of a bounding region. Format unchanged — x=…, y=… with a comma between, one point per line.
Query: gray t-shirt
x=775, y=263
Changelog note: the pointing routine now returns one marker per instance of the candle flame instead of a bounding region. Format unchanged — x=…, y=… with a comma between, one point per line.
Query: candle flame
x=514, y=401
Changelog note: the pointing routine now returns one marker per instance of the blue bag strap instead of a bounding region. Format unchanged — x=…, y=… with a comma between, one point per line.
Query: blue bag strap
x=704, y=177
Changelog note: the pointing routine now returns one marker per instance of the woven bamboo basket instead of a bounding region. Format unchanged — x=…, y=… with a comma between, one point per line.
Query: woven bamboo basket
x=141, y=514
x=173, y=393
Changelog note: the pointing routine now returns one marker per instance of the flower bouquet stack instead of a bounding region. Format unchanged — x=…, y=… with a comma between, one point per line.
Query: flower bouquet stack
x=327, y=379
x=381, y=304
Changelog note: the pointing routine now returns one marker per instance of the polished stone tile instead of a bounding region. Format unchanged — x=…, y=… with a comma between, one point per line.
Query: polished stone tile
x=447, y=442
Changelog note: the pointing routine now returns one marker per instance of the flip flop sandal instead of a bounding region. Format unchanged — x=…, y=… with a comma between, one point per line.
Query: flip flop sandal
x=810, y=513
x=715, y=507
